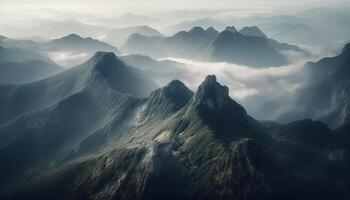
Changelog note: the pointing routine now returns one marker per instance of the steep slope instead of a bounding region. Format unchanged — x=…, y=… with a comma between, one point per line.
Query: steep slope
x=77, y=44
x=19, y=99
x=174, y=145
x=85, y=121
x=25, y=72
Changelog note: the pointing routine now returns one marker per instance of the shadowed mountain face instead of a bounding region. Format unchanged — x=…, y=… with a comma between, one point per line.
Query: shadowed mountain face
x=249, y=47
x=99, y=143
x=326, y=93
x=103, y=67
x=247, y=50
x=75, y=43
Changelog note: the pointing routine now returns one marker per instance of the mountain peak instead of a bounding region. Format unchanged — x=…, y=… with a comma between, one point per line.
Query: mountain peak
x=211, y=93
x=102, y=55
x=231, y=29
x=212, y=30
x=252, y=31
x=196, y=29
x=167, y=100
x=175, y=91
x=72, y=36
x=346, y=49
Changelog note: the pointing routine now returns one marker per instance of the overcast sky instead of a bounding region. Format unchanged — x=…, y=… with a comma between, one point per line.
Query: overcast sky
x=115, y=7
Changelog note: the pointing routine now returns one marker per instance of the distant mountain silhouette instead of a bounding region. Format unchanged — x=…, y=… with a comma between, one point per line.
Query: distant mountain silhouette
x=231, y=28
x=202, y=22
x=247, y=50
x=189, y=44
x=210, y=45
x=252, y=31
x=119, y=36
x=77, y=44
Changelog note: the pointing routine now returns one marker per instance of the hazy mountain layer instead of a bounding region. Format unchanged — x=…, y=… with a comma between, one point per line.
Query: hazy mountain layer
x=119, y=36
x=75, y=43
x=191, y=44
x=210, y=45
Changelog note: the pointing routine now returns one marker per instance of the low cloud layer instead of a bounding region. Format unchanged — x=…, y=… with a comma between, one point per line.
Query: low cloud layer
x=68, y=59
x=254, y=88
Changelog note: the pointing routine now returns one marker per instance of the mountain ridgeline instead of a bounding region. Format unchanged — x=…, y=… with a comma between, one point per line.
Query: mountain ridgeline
x=100, y=70
x=96, y=131
x=77, y=44
x=249, y=46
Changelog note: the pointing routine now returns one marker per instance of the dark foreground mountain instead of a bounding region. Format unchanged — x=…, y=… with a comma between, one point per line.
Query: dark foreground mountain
x=102, y=67
x=99, y=143
x=327, y=92
x=25, y=72
x=210, y=45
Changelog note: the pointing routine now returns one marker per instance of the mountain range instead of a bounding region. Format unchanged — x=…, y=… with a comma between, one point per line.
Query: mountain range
x=97, y=133
x=210, y=45
x=23, y=98
x=77, y=44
